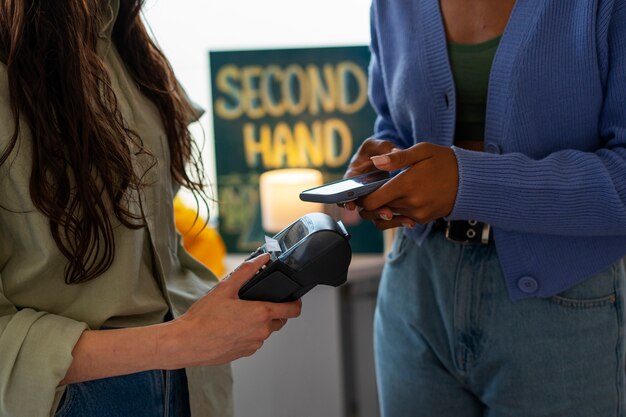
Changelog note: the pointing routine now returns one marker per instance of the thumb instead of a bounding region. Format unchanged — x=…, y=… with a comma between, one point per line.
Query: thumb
x=388, y=161
x=235, y=280
x=398, y=159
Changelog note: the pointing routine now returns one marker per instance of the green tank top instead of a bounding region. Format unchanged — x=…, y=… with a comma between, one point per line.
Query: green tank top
x=471, y=66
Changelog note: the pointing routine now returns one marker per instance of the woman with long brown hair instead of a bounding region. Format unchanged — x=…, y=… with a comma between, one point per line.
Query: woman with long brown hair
x=100, y=308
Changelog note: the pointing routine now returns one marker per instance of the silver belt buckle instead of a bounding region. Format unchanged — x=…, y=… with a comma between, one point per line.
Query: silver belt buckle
x=470, y=233
x=484, y=238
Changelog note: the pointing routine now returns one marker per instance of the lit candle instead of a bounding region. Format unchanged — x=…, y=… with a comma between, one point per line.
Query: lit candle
x=280, y=201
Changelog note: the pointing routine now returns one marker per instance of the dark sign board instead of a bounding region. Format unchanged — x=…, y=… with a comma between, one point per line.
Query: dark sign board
x=287, y=108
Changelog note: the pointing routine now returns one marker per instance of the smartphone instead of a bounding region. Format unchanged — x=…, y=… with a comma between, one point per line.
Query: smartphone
x=347, y=189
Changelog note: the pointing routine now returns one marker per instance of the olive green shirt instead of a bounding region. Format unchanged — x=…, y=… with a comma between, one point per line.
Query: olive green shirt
x=471, y=67
x=41, y=318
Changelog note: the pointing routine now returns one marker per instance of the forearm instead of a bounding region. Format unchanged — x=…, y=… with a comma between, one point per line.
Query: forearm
x=217, y=329
x=567, y=193
x=106, y=353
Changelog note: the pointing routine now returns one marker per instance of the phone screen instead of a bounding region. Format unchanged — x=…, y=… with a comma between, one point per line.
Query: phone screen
x=347, y=189
x=338, y=187
x=350, y=183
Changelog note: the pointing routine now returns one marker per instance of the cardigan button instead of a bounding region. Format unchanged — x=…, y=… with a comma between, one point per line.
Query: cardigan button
x=528, y=285
x=492, y=147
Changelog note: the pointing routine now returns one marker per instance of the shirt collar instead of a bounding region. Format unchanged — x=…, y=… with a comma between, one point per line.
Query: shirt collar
x=108, y=18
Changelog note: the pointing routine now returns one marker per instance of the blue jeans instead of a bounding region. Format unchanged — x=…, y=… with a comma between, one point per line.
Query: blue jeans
x=144, y=394
x=449, y=342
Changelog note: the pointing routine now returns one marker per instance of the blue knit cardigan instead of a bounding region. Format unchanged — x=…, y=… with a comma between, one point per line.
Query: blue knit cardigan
x=552, y=179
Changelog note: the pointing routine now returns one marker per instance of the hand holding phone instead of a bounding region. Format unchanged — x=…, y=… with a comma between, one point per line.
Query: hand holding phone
x=347, y=189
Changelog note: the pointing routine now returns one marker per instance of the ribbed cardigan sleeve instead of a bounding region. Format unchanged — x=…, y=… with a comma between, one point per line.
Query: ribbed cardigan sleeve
x=552, y=179
x=569, y=192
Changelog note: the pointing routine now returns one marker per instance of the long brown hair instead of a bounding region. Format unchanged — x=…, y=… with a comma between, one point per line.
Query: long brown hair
x=81, y=145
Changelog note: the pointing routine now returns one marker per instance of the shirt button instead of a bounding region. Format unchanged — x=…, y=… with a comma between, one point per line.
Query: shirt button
x=528, y=285
x=493, y=148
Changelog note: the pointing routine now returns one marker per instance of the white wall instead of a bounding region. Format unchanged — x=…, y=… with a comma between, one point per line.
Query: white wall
x=187, y=29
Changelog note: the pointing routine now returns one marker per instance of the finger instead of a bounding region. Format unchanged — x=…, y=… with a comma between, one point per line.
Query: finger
x=384, y=213
x=361, y=162
x=359, y=167
x=398, y=159
x=396, y=221
x=384, y=195
x=244, y=272
x=288, y=310
x=368, y=215
x=379, y=146
x=349, y=205
x=278, y=324
x=292, y=310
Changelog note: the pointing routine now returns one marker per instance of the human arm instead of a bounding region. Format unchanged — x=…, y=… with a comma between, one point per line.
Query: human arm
x=510, y=191
x=217, y=329
x=544, y=178
x=35, y=352
x=572, y=191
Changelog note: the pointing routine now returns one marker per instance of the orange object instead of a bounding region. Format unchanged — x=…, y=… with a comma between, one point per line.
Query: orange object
x=203, y=242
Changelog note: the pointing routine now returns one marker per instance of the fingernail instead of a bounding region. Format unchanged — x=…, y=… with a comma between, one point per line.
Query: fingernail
x=385, y=216
x=409, y=225
x=380, y=160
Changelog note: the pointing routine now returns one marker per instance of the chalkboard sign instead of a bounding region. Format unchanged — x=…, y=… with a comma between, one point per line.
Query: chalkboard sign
x=286, y=108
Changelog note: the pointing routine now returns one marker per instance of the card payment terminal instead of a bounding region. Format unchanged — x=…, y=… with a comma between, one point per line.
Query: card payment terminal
x=312, y=250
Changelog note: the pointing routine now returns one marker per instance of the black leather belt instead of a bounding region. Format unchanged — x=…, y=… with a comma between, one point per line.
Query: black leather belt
x=466, y=231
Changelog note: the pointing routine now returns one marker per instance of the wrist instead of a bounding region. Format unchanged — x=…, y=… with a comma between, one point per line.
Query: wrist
x=169, y=344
